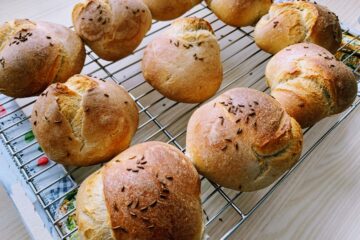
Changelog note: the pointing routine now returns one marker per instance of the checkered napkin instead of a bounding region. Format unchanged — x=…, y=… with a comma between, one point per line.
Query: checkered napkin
x=60, y=189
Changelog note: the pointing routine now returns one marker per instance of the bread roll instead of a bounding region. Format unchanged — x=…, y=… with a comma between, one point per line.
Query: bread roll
x=243, y=140
x=149, y=191
x=35, y=54
x=239, y=13
x=294, y=22
x=184, y=63
x=169, y=9
x=310, y=83
x=112, y=28
x=84, y=121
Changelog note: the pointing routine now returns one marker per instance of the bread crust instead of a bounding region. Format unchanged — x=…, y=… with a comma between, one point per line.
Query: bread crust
x=113, y=29
x=36, y=54
x=151, y=191
x=92, y=217
x=310, y=83
x=169, y=9
x=84, y=121
x=243, y=140
x=239, y=13
x=184, y=63
x=294, y=22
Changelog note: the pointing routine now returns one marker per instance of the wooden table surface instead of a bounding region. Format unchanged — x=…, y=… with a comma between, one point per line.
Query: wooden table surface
x=320, y=200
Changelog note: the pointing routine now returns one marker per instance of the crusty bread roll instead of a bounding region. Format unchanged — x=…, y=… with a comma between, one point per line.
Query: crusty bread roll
x=169, y=9
x=239, y=13
x=243, y=140
x=84, y=121
x=294, y=22
x=184, y=63
x=310, y=83
x=35, y=54
x=149, y=191
x=112, y=28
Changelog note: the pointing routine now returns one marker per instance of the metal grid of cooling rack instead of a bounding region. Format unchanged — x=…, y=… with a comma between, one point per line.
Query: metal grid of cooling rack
x=160, y=119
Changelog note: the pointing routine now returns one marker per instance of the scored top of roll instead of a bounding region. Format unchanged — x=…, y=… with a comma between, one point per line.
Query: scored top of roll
x=243, y=139
x=84, y=120
x=151, y=191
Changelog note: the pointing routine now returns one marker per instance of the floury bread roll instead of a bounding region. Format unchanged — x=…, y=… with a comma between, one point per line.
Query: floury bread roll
x=112, y=28
x=169, y=9
x=35, y=54
x=294, y=22
x=239, y=13
x=310, y=83
x=84, y=121
x=243, y=140
x=184, y=62
x=150, y=191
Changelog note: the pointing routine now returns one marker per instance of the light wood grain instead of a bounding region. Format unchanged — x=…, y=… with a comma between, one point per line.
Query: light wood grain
x=347, y=10
x=318, y=201
x=11, y=226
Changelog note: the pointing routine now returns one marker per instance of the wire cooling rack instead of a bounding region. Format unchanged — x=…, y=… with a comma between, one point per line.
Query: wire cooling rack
x=160, y=119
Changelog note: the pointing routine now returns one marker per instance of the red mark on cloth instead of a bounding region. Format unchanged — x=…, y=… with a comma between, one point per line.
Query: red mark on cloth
x=42, y=161
x=2, y=110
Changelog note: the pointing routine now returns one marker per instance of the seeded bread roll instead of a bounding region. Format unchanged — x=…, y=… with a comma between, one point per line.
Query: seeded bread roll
x=294, y=22
x=112, y=28
x=84, y=121
x=169, y=9
x=35, y=54
x=184, y=63
x=149, y=191
x=243, y=140
x=310, y=83
x=239, y=13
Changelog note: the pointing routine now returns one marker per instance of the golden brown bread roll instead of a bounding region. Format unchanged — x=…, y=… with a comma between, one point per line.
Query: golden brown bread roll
x=169, y=9
x=310, y=83
x=149, y=191
x=239, y=13
x=184, y=62
x=243, y=140
x=294, y=22
x=84, y=121
x=35, y=54
x=112, y=28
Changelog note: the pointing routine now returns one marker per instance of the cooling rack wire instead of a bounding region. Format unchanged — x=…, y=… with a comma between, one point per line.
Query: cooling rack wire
x=161, y=120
